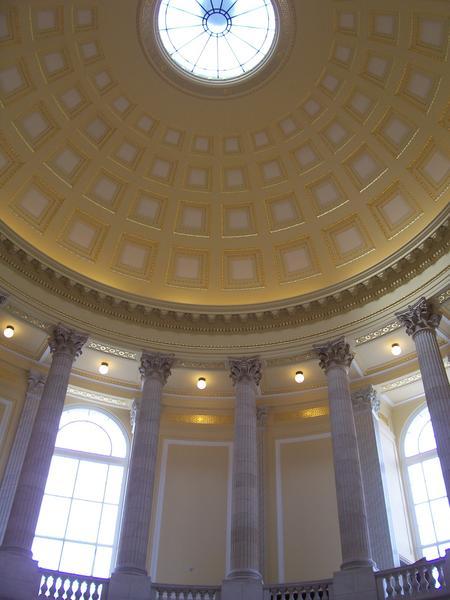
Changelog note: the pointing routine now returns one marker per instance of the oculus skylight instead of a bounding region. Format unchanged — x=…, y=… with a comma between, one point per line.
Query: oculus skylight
x=217, y=40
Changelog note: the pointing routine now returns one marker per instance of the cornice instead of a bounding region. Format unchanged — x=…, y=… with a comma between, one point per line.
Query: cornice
x=19, y=256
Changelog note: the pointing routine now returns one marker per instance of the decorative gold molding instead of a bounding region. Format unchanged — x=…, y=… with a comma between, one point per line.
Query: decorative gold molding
x=428, y=248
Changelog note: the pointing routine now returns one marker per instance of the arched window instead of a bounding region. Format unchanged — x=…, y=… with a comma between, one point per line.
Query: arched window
x=78, y=524
x=431, y=512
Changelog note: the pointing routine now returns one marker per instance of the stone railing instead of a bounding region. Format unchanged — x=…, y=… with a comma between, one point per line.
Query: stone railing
x=420, y=581
x=185, y=592
x=55, y=584
x=312, y=590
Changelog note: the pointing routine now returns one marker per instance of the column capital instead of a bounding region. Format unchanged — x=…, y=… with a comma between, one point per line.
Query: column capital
x=3, y=298
x=242, y=369
x=336, y=352
x=36, y=380
x=262, y=412
x=66, y=341
x=156, y=366
x=366, y=398
x=419, y=316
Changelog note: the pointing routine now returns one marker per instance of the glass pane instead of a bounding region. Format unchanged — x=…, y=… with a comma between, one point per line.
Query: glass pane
x=61, y=477
x=91, y=481
x=102, y=565
x=434, y=479
x=114, y=485
x=426, y=438
x=53, y=516
x=440, y=510
x=47, y=552
x=84, y=521
x=411, y=445
x=431, y=552
x=85, y=436
x=77, y=558
x=217, y=39
x=443, y=548
x=425, y=524
x=417, y=481
x=108, y=525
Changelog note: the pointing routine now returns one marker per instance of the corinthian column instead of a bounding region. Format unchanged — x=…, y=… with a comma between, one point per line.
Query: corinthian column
x=244, y=575
x=65, y=346
x=366, y=407
x=335, y=359
x=421, y=321
x=8, y=487
x=132, y=555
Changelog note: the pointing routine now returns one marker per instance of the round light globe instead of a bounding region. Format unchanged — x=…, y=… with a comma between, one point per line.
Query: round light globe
x=299, y=377
x=396, y=349
x=103, y=368
x=8, y=332
x=201, y=383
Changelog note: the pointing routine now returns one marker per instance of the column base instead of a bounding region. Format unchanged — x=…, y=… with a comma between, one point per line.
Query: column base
x=19, y=576
x=355, y=584
x=126, y=586
x=242, y=588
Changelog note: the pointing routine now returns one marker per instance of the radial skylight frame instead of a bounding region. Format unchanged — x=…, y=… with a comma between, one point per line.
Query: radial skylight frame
x=217, y=41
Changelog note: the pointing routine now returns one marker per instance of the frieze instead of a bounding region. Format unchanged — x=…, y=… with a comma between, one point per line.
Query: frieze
x=428, y=251
x=90, y=396
x=119, y=352
x=373, y=335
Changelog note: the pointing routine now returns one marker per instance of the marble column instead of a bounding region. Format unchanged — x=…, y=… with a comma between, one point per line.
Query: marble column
x=335, y=359
x=132, y=555
x=13, y=468
x=261, y=420
x=421, y=321
x=18, y=572
x=366, y=408
x=244, y=580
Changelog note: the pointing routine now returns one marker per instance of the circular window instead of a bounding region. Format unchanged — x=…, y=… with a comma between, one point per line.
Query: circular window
x=217, y=40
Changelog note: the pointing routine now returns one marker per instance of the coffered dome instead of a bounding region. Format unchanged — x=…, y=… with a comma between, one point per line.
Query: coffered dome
x=323, y=168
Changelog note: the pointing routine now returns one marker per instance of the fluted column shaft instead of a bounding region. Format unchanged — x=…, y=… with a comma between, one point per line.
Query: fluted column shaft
x=10, y=479
x=421, y=322
x=132, y=555
x=261, y=419
x=335, y=359
x=65, y=346
x=246, y=375
x=365, y=408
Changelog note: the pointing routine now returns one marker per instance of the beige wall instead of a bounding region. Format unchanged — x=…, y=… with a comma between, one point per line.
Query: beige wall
x=307, y=524
x=190, y=536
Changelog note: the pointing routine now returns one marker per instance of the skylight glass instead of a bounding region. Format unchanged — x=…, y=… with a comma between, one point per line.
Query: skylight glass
x=217, y=40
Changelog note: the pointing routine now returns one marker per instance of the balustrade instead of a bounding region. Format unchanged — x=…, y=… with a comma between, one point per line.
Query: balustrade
x=313, y=590
x=183, y=592
x=68, y=586
x=424, y=580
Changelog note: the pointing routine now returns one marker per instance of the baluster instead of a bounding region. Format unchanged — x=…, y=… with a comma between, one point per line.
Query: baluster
x=96, y=590
x=44, y=587
x=397, y=584
x=389, y=588
x=441, y=576
x=78, y=593
x=52, y=589
x=432, y=581
x=423, y=578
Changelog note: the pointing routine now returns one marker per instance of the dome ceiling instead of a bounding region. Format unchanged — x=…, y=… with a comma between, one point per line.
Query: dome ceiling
x=324, y=169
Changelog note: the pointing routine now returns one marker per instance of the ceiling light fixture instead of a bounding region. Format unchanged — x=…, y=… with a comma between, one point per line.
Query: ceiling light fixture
x=8, y=332
x=201, y=383
x=396, y=349
x=103, y=368
x=299, y=377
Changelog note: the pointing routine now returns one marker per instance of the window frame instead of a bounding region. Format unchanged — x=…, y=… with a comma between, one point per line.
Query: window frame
x=406, y=462
x=104, y=459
